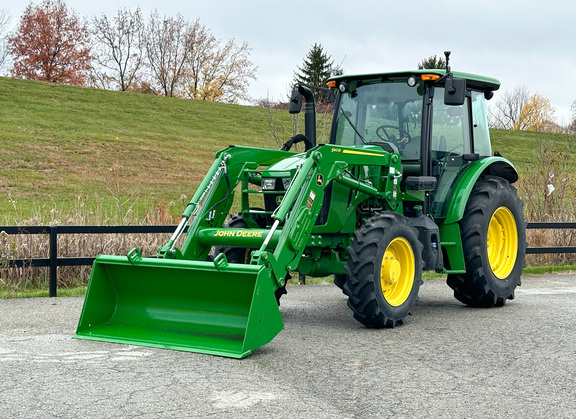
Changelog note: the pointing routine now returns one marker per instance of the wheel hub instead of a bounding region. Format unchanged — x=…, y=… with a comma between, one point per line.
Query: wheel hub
x=502, y=242
x=397, y=271
x=391, y=270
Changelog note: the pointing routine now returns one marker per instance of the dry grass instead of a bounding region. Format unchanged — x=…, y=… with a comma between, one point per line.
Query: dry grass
x=15, y=280
x=548, y=190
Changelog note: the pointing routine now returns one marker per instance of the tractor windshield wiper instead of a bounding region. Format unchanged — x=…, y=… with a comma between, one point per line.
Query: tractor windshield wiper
x=352, y=125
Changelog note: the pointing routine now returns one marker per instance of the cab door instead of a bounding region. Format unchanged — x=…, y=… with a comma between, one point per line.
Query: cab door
x=451, y=149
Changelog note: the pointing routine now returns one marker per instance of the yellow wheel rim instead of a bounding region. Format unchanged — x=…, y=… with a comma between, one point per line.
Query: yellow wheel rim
x=397, y=272
x=502, y=242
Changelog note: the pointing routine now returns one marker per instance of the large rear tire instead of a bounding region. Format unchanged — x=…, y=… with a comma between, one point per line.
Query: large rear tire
x=494, y=242
x=339, y=281
x=384, y=271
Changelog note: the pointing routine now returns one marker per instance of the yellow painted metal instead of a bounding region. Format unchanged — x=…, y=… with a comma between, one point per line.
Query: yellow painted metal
x=502, y=242
x=397, y=272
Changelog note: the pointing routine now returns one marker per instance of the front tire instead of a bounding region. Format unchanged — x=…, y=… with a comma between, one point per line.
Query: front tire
x=494, y=242
x=384, y=271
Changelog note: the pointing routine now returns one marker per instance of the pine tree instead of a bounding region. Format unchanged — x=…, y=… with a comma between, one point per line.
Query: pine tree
x=432, y=63
x=316, y=69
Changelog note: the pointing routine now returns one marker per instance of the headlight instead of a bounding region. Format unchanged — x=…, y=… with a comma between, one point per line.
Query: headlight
x=268, y=184
x=286, y=182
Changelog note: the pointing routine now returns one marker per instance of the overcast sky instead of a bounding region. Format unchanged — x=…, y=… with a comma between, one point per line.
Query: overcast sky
x=520, y=42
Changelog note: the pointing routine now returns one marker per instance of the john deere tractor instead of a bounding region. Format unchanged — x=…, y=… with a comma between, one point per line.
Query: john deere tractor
x=408, y=182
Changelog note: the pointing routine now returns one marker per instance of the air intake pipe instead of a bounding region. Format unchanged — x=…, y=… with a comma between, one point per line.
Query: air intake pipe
x=304, y=93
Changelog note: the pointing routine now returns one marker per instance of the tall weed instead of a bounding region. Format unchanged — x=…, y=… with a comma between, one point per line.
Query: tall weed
x=28, y=246
x=548, y=190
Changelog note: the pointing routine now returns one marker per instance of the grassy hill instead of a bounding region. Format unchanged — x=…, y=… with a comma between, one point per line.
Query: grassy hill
x=66, y=147
x=61, y=144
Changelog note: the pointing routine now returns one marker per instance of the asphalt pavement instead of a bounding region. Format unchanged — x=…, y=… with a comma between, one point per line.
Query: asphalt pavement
x=447, y=361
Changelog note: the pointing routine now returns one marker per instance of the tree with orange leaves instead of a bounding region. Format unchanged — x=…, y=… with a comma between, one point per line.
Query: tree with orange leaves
x=51, y=44
x=537, y=114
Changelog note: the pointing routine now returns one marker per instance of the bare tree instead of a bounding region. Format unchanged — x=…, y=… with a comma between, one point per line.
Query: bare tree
x=119, y=48
x=201, y=44
x=506, y=111
x=235, y=70
x=166, y=42
x=186, y=60
x=4, y=21
x=222, y=75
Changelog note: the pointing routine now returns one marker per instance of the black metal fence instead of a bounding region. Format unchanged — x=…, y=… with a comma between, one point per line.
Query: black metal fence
x=555, y=249
x=53, y=261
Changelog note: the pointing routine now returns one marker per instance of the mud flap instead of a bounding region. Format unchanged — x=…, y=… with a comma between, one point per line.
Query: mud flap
x=227, y=310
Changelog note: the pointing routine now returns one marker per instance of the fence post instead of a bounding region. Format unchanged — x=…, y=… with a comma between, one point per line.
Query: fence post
x=53, y=262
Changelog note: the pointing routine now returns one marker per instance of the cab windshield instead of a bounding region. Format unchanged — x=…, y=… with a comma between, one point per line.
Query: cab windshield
x=382, y=113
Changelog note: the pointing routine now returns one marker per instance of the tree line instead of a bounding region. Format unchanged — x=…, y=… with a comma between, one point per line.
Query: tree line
x=517, y=109
x=129, y=52
x=172, y=56
x=156, y=54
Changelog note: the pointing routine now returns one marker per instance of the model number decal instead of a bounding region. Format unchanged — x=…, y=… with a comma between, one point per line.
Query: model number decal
x=310, y=200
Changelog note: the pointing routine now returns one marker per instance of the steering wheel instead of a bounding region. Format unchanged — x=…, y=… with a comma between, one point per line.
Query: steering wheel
x=390, y=138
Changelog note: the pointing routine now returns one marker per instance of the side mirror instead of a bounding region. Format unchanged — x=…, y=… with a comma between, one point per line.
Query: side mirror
x=455, y=91
x=295, y=102
x=331, y=96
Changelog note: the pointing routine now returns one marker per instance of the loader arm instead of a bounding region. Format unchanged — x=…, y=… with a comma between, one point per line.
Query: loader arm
x=281, y=246
x=296, y=215
x=214, y=197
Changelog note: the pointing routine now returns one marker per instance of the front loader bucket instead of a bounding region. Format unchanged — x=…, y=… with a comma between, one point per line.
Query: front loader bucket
x=180, y=304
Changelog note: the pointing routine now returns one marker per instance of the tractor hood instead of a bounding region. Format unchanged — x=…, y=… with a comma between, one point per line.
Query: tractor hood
x=286, y=167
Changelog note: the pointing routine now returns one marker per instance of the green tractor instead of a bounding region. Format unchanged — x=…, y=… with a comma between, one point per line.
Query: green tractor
x=408, y=182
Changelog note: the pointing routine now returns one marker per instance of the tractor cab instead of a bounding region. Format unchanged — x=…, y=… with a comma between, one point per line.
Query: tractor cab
x=435, y=119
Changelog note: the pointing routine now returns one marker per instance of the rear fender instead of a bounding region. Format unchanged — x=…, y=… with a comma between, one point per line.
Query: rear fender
x=494, y=166
x=450, y=229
